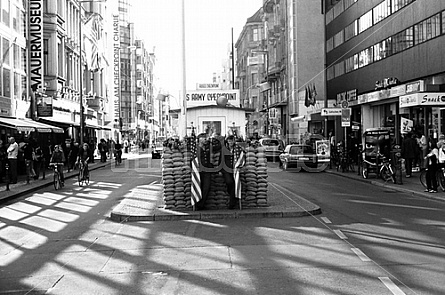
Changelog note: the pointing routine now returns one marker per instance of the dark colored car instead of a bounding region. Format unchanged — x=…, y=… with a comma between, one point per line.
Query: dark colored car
x=303, y=156
x=156, y=153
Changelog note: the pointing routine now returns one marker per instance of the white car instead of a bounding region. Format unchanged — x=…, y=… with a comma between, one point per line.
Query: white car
x=273, y=147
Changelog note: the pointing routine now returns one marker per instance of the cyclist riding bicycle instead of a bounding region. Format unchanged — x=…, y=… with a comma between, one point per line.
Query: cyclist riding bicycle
x=83, y=155
x=58, y=157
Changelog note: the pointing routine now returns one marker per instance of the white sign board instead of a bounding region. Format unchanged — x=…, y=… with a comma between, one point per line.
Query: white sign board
x=205, y=86
x=209, y=97
x=331, y=112
x=406, y=125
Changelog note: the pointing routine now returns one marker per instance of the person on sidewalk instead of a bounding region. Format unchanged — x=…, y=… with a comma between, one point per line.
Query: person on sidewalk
x=409, y=152
x=28, y=154
x=39, y=163
x=432, y=166
x=58, y=157
x=3, y=160
x=13, y=152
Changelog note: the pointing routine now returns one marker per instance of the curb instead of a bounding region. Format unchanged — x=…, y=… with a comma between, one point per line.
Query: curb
x=208, y=215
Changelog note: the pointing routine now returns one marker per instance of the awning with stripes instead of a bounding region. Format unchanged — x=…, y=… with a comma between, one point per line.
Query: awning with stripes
x=28, y=125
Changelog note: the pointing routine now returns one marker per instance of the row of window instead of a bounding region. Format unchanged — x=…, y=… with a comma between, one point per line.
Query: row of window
x=367, y=20
x=414, y=35
x=12, y=10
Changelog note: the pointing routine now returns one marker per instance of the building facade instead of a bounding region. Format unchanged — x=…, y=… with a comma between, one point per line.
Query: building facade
x=385, y=62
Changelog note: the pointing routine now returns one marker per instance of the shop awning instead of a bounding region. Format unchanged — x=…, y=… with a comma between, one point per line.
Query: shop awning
x=64, y=123
x=28, y=125
x=94, y=126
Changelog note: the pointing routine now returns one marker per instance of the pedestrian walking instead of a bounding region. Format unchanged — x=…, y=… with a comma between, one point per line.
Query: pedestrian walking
x=39, y=163
x=3, y=160
x=13, y=152
x=432, y=167
x=29, y=155
x=409, y=152
x=72, y=156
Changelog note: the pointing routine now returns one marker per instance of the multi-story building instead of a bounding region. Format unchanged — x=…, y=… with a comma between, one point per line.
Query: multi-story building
x=385, y=62
x=63, y=55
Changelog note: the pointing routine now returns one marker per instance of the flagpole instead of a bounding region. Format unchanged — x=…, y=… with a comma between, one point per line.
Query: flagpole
x=183, y=127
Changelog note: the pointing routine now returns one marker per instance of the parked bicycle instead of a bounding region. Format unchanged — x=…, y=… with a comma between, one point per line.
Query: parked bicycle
x=381, y=165
x=58, y=183
x=84, y=174
x=440, y=176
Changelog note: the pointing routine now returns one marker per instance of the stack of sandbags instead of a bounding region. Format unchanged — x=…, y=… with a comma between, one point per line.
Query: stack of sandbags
x=249, y=180
x=261, y=168
x=218, y=197
x=176, y=178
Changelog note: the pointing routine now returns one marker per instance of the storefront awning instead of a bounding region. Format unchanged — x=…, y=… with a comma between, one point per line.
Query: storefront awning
x=64, y=123
x=28, y=125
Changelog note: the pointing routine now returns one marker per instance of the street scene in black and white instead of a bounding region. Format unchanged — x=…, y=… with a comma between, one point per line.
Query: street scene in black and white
x=222, y=147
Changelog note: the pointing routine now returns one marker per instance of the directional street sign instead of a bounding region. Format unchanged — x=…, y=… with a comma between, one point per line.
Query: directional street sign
x=331, y=112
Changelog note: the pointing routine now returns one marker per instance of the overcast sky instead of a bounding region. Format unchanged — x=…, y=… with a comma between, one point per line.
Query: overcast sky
x=208, y=38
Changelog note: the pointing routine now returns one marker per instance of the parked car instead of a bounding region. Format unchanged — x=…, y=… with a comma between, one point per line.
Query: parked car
x=273, y=147
x=156, y=152
x=303, y=156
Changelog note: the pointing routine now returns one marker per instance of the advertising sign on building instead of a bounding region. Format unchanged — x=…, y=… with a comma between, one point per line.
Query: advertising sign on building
x=209, y=97
x=406, y=125
x=35, y=37
x=422, y=99
x=116, y=66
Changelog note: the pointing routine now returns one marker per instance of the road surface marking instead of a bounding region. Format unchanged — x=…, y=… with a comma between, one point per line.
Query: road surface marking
x=360, y=254
x=391, y=286
x=340, y=234
x=325, y=219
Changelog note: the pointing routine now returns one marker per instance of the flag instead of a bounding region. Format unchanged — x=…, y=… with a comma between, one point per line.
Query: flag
x=238, y=164
x=307, y=103
x=314, y=94
x=196, y=178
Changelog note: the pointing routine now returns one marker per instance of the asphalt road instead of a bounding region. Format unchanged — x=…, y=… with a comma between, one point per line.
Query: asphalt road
x=367, y=241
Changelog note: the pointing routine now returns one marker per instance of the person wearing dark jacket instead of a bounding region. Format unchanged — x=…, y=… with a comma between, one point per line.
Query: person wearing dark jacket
x=58, y=157
x=409, y=152
x=28, y=155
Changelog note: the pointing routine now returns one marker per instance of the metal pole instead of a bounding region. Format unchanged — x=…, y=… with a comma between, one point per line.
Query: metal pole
x=233, y=63
x=267, y=93
x=81, y=115
x=183, y=128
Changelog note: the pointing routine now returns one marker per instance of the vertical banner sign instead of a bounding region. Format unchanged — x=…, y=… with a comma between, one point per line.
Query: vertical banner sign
x=35, y=55
x=116, y=67
x=346, y=117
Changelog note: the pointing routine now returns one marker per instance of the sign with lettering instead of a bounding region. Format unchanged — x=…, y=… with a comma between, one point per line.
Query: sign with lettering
x=331, y=112
x=422, y=99
x=116, y=67
x=200, y=86
x=35, y=38
x=209, y=97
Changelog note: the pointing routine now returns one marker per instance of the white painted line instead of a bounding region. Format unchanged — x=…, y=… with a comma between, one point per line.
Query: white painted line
x=325, y=220
x=391, y=286
x=340, y=234
x=360, y=254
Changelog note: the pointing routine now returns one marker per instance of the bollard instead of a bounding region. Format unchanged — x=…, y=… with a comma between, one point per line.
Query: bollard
x=7, y=176
x=398, y=167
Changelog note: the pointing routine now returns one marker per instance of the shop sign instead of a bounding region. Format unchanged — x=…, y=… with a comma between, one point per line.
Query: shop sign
x=331, y=112
x=209, y=97
x=397, y=91
x=423, y=99
x=323, y=148
x=408, y=100
x=417, y=86
x=35, y=40
x=116, y=67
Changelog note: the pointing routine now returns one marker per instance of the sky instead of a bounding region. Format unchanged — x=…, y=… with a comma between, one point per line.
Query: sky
x=208, y=37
